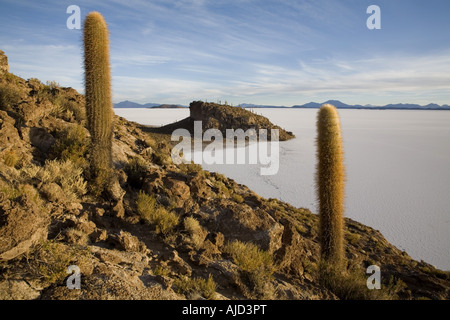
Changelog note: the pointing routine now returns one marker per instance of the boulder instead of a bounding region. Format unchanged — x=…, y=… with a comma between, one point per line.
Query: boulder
x=22, y=224
x=17, y=290
x=41, y=139
x=249, y=225
x=178, y=189
x=127, y=242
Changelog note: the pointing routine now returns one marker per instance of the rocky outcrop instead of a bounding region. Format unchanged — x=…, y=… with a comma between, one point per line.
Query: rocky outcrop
x=4, y=67
x=23, y=224
x=223, y=117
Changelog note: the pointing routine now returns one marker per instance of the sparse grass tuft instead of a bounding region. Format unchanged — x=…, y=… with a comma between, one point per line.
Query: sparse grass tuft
x=64, y=173
x=161, y=271
x=238, y=198
x=196, y=233
x=221, y=189
x=191, y=286
x=10, y=158
x=146, y=205
x=11, y=192
x=9, y=95
x=352, y=285
x=352, y=238
x=256, y=264
x=72, y=145
x=163, y=220
x=53, y=258
x=136, y=170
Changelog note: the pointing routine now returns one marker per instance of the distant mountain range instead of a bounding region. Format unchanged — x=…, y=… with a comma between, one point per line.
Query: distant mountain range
x=340, y=105
x=309, y=105
x=131, y=104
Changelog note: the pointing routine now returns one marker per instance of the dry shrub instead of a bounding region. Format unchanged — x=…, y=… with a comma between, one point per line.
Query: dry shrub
x=192, y=286
x=196, y=233
x=256, y=264
x=163, y=220
x=11, y=158
x=64, y=173
x=72, y=144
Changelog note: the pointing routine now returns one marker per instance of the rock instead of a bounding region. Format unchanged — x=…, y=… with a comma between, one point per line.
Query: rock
x=116, y=275
x=10, y=140
x=127, y=242
x=177, y=264
x=23, y=224
x=41, y=139
x=119, y=210
x=4, y=66
x=165, y=281
x=293, y=251
x=153, y=180
x=99, y=212
x=246, y=224
x=199, y=189
x=216, y=238
x=99, y=235
x=17, y=290
x=74, y=236
x=32, y=113
x=114, y=190
x=52, y=192
x=178, y=189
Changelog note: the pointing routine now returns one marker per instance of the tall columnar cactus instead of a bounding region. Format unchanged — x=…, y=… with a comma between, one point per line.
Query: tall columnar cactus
x=330, y=184
x=98, y=92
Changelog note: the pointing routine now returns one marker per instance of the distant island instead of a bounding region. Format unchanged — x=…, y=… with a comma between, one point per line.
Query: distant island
x=309, y=105
x=131, y=104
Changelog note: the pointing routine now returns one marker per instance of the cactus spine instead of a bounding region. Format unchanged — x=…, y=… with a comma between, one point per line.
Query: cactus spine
x=330, y=185
x=98, y=92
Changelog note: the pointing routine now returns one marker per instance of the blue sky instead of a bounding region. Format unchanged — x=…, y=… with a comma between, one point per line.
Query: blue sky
x=279, y=52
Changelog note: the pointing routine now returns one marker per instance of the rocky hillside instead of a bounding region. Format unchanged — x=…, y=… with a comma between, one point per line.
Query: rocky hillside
x=166, y=231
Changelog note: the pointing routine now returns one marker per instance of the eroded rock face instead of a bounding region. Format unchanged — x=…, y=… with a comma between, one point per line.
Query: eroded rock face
x=23, y=224
x=249, y=225
x=17, y=290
